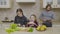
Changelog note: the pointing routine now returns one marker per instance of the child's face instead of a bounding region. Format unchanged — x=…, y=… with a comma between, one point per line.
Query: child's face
x=32, y=18
x=19, y=13
x=48, y=8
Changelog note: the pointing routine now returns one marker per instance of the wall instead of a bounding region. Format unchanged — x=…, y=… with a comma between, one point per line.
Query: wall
x=27, y=8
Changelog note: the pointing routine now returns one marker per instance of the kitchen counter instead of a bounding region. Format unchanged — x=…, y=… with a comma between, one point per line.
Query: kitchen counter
x=53, y=30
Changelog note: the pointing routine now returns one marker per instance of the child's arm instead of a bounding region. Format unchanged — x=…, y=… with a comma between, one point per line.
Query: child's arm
x=31, y=23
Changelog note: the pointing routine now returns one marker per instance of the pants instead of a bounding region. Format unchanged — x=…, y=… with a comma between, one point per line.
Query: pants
x=47, y=23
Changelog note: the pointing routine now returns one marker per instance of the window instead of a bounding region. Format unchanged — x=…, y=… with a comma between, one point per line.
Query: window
x=58, y=1
x=3, y=2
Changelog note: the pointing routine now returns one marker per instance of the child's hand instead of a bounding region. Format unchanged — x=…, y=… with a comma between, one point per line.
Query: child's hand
x=43, y=19
x=31, y=23
x=18, y=24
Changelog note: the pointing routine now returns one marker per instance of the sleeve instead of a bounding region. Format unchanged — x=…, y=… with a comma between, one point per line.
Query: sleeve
x=26, y=20
x=37, y=23
x=15, y=20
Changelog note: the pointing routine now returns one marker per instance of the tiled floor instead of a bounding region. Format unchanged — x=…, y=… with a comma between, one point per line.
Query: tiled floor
x=54, y=30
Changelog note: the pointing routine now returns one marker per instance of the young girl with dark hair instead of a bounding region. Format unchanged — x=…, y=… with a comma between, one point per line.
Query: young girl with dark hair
x=20, y=19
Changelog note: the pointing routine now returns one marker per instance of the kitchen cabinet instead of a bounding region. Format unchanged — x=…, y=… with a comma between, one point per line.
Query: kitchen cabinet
x=5, y=4
x=58, y=3
x=45, y=2
x=54, y=3
x=25, y=1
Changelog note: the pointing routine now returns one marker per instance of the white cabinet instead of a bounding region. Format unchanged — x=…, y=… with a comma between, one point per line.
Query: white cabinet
x=45, y=2
x=58, y=3
x=25, y=1
x=5, y=4
x=54, y=3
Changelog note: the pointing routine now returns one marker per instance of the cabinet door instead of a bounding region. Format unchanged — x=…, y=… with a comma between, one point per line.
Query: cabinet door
x=4, y=3
x=58, y=3
x=54, y=4
x=45, y=2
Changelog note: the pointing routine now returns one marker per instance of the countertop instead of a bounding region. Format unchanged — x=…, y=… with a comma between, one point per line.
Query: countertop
x=51, y=30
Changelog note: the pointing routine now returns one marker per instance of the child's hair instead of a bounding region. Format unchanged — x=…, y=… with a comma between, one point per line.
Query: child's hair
x=35, y=18
x=19, y=10
x=33, y=15
x=48, y=5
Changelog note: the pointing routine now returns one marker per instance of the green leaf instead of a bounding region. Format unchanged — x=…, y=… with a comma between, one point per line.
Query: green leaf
x=10, y=30
x=17, y=29
x=13, y=26
x=30, y=29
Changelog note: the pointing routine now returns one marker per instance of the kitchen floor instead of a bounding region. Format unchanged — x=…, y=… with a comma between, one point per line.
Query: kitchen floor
x=53, y=30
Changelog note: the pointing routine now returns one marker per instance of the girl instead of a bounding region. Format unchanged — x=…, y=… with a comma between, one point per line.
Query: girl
x=47, y=16
x=20, y=19
x=33, y=21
